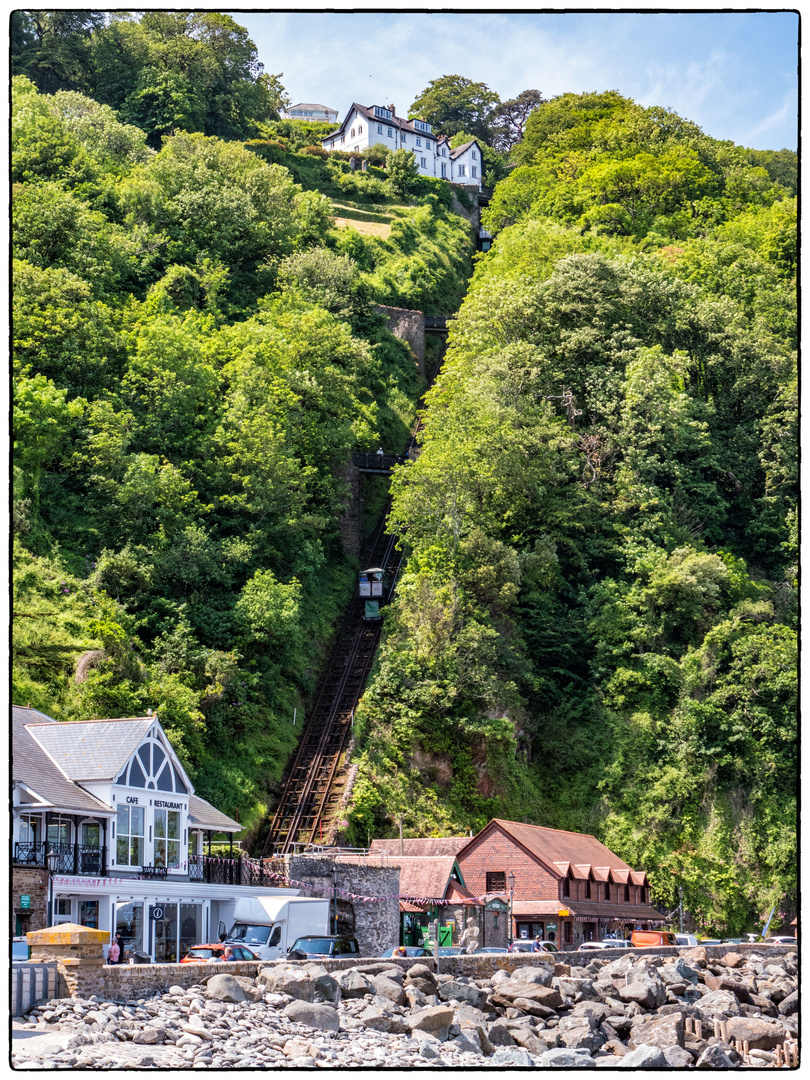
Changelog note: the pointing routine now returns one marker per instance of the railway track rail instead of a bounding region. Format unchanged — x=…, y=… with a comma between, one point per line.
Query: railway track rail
x=314, y=781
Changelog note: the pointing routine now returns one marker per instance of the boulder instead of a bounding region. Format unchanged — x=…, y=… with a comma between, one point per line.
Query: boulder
x=677, y=972
x=657, y=1030
x=500, y=1035
x=733, y=960
x=416, y=999
x=325, y=984
x=596, y=1010
x=473, y=1023
x=352, y=984
x=542, y=995
x=719, y=1003
x=677, y=1057
x=563, y=1058
x=389, y=988
x=759, y=1034
x=425, y=986
x=532, y=1008
x=287, y=980
x=640, y=992
x=714, y=1057
x=148, y=1036
x=466, y=1043
x=644, y=1057
x=579, y=1033
x=320, y=1017
x=540, y=975
x=376, y=1019
x=511, y=1055
x=790, y=1004
x=526, y=1038
x=467, y=992
x=435, y=1019
x=224, y=988
x=695, y=957
x=617, y=968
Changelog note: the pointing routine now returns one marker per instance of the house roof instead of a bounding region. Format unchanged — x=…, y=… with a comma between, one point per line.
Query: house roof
x=424, y=876
x=310, y=105
x=422, y=845
x=558, y=848
x=202, y=815
x=92, y=749
x=367, y=111
x=457, y=151
x=39, y=774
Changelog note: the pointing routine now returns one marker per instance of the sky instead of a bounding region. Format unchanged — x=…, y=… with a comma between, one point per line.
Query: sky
x=734, y=72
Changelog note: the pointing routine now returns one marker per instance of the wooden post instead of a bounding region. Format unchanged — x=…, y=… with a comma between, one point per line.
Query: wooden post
x=699, y=1029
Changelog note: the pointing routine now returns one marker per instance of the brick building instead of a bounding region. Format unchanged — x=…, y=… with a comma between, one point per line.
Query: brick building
x=563, y=886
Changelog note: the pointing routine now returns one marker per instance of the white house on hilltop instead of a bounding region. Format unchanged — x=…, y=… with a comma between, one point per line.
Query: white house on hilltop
x=366, y=125
x=306, y=110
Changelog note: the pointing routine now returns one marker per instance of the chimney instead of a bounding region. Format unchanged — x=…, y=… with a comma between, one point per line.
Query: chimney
x=393, y=110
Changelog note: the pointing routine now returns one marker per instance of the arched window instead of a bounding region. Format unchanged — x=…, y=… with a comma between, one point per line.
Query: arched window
x=151, y=768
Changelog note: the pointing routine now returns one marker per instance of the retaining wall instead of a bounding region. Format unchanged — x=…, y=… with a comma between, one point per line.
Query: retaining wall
x=128, y=982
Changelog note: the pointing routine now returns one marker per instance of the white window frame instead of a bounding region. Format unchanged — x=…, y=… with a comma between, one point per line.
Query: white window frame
x=462, y=170
x=474, y=171
x=379, y=129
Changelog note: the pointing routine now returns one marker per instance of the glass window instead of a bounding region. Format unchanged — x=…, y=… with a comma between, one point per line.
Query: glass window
x=390, y=133
x=129, y=924
x=129, y=850
x=352, y=135
x=164, y=933
x=379, y=129
x=59, y=832
x=190, y=927
x=404, y=137
x=424, y=163
x=29, y=828
x=566, y=886
x=360, y=129
x=444, y=152
x=444, y=169
x=88, y=913
x=607, y=892
x=496, y=881
x=627, y=894
x=418, y=141
x=136, y=777
x=91, y=834
x=61, y=910
x=475, y=156
x=587, y=888
x=461, y=170
x=473, y=171
x=167, y=838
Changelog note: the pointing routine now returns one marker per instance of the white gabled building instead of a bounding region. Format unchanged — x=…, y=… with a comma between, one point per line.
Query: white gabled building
x=366, y=125
x=109, y=806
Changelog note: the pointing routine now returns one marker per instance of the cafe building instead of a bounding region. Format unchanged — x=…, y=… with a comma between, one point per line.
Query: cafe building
x=107, y=832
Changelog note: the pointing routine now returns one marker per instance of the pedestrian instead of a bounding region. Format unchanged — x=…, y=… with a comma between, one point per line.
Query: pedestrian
x=122, y=958
x=537, y=946
x=227, y=954
x=380, y=452
x=113, y=952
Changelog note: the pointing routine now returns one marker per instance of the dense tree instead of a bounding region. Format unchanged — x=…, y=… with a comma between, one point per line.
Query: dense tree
x=454, y=103
x=53, y=48
x=509, y=119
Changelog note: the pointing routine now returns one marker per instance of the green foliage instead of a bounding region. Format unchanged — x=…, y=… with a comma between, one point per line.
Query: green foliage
x=454, y=103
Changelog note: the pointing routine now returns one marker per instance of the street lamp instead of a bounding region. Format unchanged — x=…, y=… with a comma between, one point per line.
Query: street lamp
x=680, y=909
x=334, y=896
x=50, y=859
x=511, y=903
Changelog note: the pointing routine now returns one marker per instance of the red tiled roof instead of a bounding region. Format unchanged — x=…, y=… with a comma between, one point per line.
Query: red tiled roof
x=427, y=876
x=456, y=891
x=581, y=910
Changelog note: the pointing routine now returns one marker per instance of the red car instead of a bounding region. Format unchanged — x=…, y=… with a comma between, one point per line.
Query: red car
x=204, y=954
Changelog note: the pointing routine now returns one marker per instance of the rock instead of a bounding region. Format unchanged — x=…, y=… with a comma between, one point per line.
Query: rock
x=467, y=992
x=429, y=1050
x=224, y=988
x=616, y=1047
x=526, y=1038
x=380, y=1020
x=759, y=1034
x=325, y=984
x=435, y=1019
x=596, y=1010
x=566, y=1059
x=426, y=986
x=677, y=1057
x=790, y=1004
x=473, y=1023
x=579, y=1032
x=388, y=988
x=415, y=998
x=510, y=1055
x=532, y=1008
x=677, y=972
x=500, y=1035
x=466, y=1043
x=148, y=1036
x=542, y=995
x=320, y=1017
x=657, y=1030
x=353, y=984
x=540, y=975
x=714, y=1057
x=732, y=960
x=719, y=1003
x=644, y=1057
x=639, y=992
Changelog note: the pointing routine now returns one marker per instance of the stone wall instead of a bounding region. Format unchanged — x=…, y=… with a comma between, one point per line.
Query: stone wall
x=78, y=953
x=29, y=881
x=375, y=925
x=408, y=326
x=128, y=982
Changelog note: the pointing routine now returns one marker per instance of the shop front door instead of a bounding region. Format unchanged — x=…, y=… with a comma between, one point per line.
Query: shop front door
x=163, y=921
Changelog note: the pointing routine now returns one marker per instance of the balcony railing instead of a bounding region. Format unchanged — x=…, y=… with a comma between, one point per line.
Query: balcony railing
x=226, y=871
x=68, y=858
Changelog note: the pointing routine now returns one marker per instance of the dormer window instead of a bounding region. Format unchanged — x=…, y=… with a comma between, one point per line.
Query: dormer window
x=151, y=768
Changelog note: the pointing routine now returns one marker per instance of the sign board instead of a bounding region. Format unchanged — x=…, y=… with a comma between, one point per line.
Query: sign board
x=25, y=901
x=563, y=911
x=157, y=912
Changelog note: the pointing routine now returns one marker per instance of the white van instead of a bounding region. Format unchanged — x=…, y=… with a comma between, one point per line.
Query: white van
x=686, y=940
x=268, y=925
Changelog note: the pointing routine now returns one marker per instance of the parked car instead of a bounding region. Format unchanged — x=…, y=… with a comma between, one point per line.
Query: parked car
x=780, y=939
x=606, y=943
x=410, y=950
x=686, y=940
x=450, y=950
x=19, y=949
x=710, y=941
x=645, y=938
x=493, y=948
x=527, y=945
x=204, y=954
x=323, y=945
x=731, y=941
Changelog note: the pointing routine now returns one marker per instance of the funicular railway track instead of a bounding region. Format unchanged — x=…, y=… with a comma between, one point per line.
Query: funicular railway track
x=313, y=786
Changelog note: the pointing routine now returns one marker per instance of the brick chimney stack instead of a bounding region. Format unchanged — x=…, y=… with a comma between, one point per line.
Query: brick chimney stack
x=393, y=110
